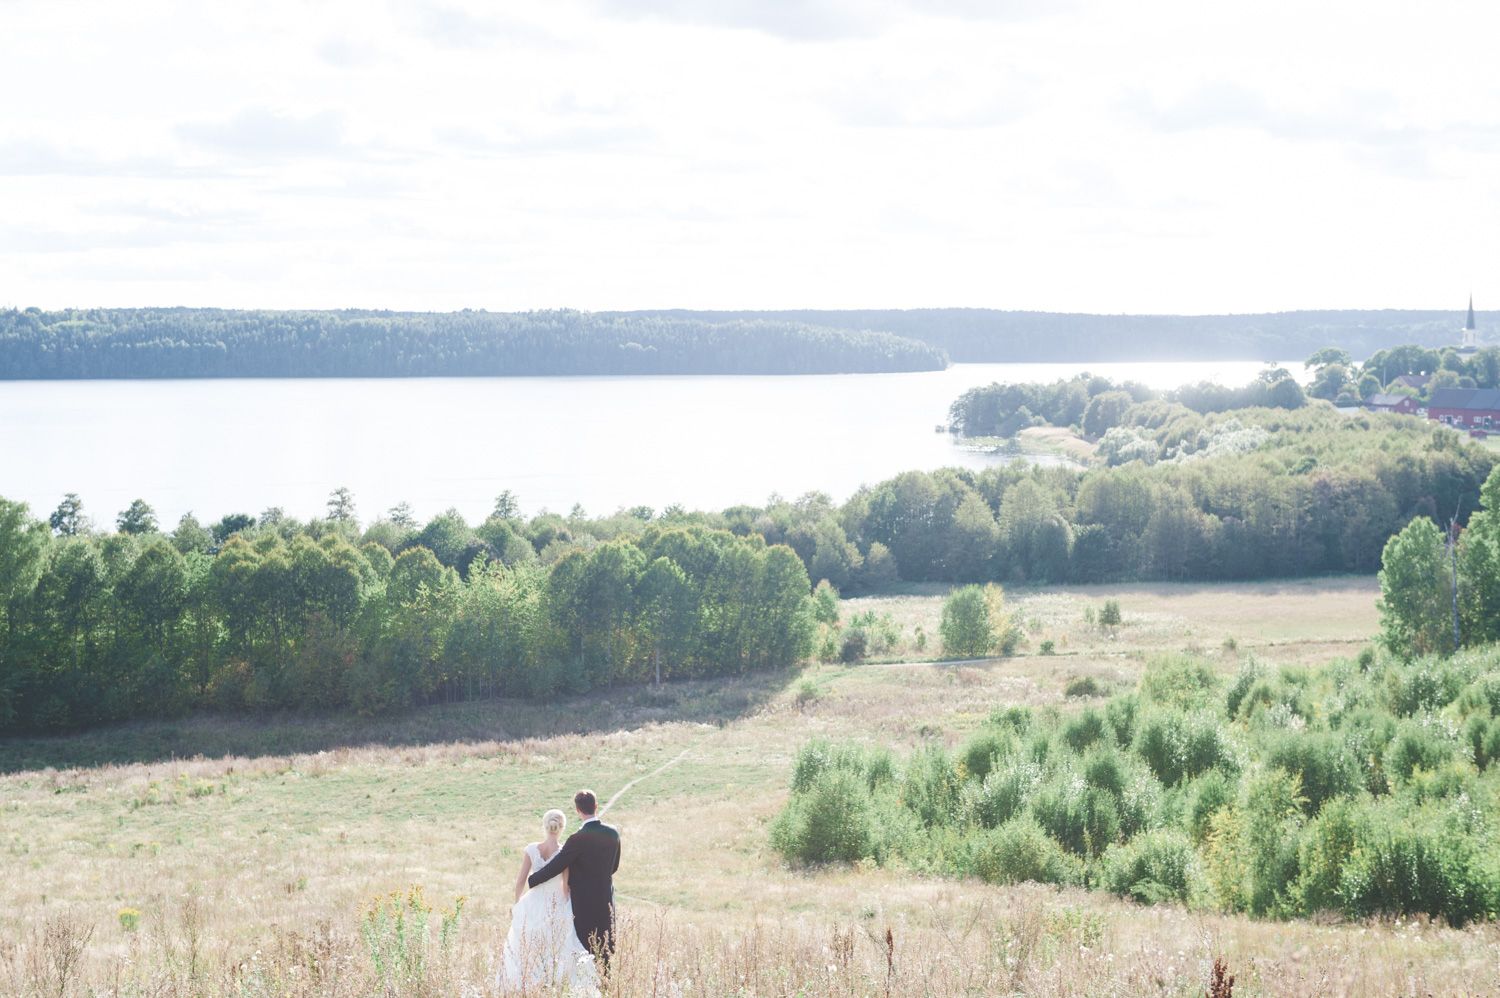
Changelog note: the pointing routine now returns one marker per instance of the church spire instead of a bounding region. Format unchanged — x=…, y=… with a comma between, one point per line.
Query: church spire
x=1470, y=323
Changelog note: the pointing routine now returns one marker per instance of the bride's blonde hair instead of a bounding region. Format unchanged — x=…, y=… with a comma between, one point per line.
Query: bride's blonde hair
x=554, y=821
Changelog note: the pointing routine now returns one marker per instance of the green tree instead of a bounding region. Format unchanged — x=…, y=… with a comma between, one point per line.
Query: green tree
x=68, y=519
x=667, y=611
x=1416, y=591
x=1106, y=410
x=341, y=505
x=965, y=625
x=507, y=506
x=139, y=518
x=190, y=535
x=402, y=516
x=23, y=543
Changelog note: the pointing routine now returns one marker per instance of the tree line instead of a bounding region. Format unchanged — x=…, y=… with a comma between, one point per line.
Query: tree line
x=218, y=343
x=1440, y=585
x=985, y=335
x=265, y=613
x=255, y=612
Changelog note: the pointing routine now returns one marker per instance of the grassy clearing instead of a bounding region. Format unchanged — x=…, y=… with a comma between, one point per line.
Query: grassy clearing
x=1306, y=620
x=247, y=864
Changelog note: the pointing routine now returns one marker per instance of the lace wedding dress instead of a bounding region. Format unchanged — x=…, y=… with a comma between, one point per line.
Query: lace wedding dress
x=542, y=949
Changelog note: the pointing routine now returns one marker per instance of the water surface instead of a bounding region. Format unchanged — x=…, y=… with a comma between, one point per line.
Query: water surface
x=240, y=445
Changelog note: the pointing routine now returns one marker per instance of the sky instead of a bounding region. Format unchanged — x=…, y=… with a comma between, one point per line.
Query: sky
x=618, y=154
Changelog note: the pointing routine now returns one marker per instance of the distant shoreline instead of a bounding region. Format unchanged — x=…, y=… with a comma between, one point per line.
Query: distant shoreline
x=185, y=343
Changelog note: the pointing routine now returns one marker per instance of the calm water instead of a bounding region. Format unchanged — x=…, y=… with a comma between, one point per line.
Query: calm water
x=223, y=446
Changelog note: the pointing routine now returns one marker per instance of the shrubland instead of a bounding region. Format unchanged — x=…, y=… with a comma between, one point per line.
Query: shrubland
x=1363, y=788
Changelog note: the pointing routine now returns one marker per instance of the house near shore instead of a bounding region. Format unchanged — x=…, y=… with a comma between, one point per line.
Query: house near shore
x=1404, y=404
x=1416, y=382
x=1465, y=408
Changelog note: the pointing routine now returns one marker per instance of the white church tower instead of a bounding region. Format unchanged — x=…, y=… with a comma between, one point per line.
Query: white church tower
x=1468, y=342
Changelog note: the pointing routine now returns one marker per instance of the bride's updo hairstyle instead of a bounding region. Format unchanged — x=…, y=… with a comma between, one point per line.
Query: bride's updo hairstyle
x=554, y=821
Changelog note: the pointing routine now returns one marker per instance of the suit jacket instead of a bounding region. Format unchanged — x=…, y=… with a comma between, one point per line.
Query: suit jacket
x=592, y=856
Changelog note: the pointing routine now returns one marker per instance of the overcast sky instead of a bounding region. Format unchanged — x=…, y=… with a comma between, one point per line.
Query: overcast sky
x=1104, y=157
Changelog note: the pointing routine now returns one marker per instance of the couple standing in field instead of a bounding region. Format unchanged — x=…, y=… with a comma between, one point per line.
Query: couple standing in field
x=562, y=928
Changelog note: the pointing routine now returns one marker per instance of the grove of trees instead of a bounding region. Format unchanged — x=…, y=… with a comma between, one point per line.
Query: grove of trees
x=280, y=615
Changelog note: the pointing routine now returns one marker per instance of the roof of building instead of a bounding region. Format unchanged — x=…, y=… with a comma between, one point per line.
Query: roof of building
x=1465, y=398
x=1414, y=380
x=1388, y=399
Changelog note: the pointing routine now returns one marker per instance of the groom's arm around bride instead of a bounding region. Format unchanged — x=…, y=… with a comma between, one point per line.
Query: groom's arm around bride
x=592, y=856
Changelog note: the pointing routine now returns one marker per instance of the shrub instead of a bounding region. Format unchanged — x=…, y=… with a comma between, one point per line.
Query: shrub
x=1019, y=851
x=1321, y=854
x=1017, y=717
x=1109, y=614
x=1252, y=847
x=853, y=647
x=1179, y=681
x=930, y=787
x=1003, y=795
x=1120, y=712
x=1422, y=687
x=1083, y=819
x=872, y=767
x=1207, y=796
x=1246, y=677
x=1405, y=862
x=830, y=822
x=1482, y=694
x=1082, y=686
x=1084, y=729
x=1179, y=746
x=1321, y=760
x=1154, y=867
x=1416, y=746
x=1104, y=769
x=807, y=692
x=984, y=748
x=1142, y=804
x=965, y=626
x=1047, y=647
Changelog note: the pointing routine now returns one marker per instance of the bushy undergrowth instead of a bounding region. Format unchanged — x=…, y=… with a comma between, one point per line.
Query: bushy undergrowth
x=1365, y=788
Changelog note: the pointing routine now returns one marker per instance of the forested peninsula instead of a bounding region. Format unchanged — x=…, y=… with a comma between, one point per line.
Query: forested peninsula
x=221, y=343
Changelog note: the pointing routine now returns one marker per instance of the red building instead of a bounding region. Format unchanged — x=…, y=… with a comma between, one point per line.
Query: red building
x=1404, y=404
x=1465, y=408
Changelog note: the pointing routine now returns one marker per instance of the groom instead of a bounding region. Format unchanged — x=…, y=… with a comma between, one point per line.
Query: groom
x=593, y=855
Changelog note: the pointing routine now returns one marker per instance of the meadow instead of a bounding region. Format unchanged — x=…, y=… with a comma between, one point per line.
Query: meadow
x=232, y=857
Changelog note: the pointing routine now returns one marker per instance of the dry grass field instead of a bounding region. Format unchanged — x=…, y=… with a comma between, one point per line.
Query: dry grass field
x=247, y=868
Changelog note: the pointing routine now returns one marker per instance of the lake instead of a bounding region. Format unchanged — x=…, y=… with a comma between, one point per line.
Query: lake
x=241, y=445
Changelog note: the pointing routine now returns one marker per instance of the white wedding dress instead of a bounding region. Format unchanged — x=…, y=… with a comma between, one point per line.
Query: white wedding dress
x=542, y=950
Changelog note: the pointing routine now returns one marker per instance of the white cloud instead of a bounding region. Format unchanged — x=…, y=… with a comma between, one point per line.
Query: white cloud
x=834, y=153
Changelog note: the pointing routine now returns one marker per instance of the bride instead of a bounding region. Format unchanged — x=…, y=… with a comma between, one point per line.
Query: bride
x=542, y=949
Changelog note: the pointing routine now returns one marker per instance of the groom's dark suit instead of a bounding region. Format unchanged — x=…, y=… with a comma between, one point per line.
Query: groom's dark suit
x=592, y=855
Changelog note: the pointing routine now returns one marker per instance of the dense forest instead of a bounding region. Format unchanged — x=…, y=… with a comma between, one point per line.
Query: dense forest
x=218, y=343
x=1370, y=787
x=260, y=612
x=979, y=335
x=197, y=343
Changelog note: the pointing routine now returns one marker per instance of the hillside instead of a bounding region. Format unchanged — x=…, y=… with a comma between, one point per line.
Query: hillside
x=980, y=335
x=247, y=868
x=220, y=343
